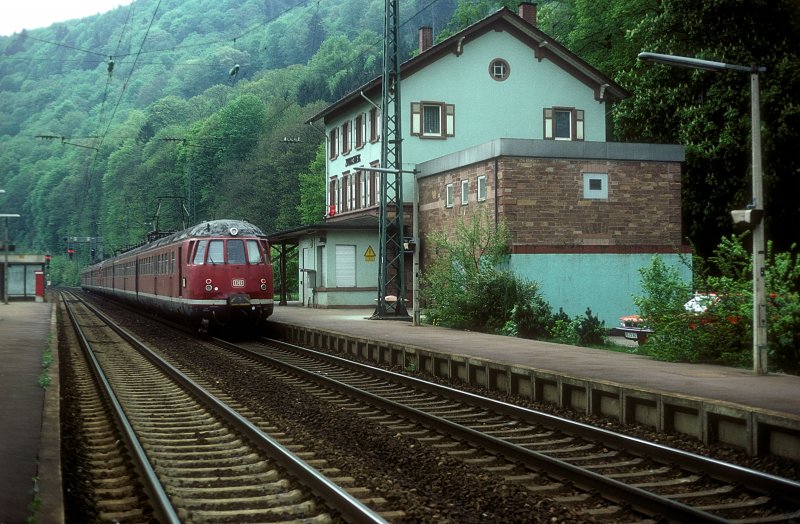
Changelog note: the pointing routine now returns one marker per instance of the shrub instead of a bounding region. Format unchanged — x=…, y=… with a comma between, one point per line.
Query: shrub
x=588, y=330
x=783, y=309
x=466, y=287
x=723, y=334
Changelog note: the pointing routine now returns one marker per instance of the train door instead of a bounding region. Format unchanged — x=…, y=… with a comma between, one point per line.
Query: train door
x=171, y=269
x=136, y=277
x=180, y=271
x=156, y=269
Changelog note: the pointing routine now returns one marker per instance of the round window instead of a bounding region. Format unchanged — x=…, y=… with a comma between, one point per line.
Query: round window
x=499, y=69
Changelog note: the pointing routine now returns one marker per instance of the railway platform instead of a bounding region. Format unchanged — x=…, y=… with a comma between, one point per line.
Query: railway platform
x=30, y=457
x=760, y=413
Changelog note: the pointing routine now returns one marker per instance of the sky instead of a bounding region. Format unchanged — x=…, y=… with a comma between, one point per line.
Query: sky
x=34, y=14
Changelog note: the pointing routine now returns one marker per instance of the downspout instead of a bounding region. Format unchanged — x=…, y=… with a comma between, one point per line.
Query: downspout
x=496, y=193
x=415, y=271
x=370, y=101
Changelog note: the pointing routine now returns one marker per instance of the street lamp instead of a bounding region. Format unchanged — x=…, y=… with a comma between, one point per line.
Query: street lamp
x=753, y=217
x=5, y=251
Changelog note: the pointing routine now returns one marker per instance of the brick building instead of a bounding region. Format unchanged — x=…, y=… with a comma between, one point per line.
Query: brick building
x=583, y=217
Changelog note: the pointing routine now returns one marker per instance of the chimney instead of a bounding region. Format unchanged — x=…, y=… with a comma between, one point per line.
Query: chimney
x=527, y=11
x=425, y=39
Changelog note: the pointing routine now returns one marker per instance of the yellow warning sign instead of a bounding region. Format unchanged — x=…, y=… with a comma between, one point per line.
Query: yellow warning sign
x=369, y=254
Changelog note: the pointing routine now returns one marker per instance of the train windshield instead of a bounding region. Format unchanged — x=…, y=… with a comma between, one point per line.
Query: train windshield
x=200, y=254
x=233, y=251
x=236, y=252
x=216, y=252
x=253, y=252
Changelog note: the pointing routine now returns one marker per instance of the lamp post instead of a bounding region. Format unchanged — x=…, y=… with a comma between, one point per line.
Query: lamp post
x=6, y=216
x=753, y=216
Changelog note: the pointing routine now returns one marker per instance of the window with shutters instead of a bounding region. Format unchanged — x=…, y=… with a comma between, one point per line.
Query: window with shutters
x=332, y=193
x=374, y=125
x=346, y=132
x=333, y=143
x=345, y=266
x=345, y=192
x=361, y=130
x=374, y=188
x=561, y=123
x=432, y=119
x=365, y=188
x=353, y=191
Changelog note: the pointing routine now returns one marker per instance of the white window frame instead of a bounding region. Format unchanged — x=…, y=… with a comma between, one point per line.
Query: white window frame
x=481, y=193
x=595, y=194
x=465, y=192
x=351, y=191
x=448, y=195
x=364, y=179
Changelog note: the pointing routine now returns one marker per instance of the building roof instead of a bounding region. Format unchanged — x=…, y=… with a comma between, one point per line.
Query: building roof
x=544, y=47
x=357, y=222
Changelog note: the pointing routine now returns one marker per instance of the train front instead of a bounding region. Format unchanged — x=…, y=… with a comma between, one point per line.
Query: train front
x=227, y=276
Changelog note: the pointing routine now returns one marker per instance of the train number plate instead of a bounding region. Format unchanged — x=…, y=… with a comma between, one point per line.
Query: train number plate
x=237, y=282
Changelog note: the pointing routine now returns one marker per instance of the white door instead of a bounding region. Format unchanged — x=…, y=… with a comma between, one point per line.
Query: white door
x=345, y=266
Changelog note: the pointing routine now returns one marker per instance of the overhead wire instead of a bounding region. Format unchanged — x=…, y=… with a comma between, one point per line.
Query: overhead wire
x=142, y=51
x=111, y=62
x=90, y=175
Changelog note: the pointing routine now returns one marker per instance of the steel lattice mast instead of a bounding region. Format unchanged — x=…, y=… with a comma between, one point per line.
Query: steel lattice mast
x=391, y=278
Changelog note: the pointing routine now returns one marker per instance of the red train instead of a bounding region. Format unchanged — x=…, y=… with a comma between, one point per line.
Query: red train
x=215, y=275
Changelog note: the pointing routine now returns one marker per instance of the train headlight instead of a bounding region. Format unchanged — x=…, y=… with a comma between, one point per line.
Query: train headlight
x=208, y=281
x=263, y=287
x=209, y=287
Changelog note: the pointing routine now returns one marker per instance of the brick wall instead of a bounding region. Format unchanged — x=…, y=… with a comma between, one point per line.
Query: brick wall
x=434, y=216
x=542, y=201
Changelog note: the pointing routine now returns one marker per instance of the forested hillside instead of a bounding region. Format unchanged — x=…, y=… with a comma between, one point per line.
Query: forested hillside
x=174, y=111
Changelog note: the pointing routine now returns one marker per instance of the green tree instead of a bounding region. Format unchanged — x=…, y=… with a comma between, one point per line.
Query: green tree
x=710, y=112
x=468, y=12
x=312, y=189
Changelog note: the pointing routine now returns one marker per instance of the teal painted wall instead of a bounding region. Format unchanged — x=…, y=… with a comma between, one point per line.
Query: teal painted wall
x=485, y=109
x=366, y=271
x=603, y=282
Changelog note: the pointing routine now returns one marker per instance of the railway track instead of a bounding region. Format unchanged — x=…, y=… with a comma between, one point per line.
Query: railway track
x=607, y=474
x=192, y=458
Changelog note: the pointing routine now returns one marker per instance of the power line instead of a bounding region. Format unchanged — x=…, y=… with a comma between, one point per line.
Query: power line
x=89, y=175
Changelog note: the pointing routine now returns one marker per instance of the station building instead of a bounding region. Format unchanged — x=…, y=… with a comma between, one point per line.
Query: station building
x=500, y=119
x=26, y=276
